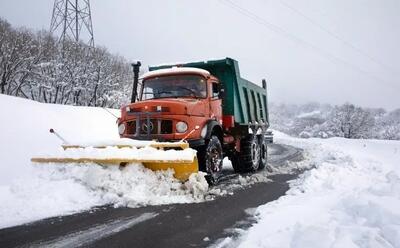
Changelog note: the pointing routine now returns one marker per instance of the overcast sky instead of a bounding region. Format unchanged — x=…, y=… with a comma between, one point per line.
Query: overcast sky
x=300, y=61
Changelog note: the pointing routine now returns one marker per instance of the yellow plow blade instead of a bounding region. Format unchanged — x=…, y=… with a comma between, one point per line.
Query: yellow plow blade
x=158, y=145
x=183, y=167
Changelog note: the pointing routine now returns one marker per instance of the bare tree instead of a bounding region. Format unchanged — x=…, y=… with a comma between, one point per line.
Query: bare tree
x=35, y=66
x=350, y=121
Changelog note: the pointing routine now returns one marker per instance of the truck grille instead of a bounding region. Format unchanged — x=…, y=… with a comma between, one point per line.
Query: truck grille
x=153, y=126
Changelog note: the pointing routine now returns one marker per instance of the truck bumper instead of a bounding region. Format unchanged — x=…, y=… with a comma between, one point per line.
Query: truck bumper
x=193, y=143
x=196, y=143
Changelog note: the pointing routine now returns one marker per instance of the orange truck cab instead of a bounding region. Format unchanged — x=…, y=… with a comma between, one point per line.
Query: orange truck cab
x=205, y=104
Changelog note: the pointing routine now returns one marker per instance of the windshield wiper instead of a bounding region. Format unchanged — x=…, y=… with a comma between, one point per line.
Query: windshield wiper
x=160, y=92
x=164, y=92
x=190, y=90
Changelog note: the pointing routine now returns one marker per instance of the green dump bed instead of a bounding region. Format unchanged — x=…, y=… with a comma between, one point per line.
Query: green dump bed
x=246, y=101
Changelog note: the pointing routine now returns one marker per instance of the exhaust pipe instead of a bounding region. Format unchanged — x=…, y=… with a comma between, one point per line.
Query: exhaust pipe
x=136, y=68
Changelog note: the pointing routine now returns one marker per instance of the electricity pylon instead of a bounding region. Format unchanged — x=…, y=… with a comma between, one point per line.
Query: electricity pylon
x=72, y=20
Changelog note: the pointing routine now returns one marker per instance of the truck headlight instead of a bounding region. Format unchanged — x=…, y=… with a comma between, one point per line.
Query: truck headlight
x=121, y=128
x=181, y=127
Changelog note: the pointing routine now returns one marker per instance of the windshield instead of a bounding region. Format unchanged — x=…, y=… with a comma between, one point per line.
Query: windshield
x=174, y=86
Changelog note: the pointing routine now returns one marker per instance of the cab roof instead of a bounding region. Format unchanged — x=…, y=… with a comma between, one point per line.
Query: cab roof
x=175, y=71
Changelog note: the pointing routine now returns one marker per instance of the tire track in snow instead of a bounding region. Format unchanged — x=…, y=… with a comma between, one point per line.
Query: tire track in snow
x=85, y=237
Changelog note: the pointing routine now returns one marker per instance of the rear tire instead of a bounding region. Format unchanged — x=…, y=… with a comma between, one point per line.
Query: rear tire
x=210, y=159
x=248, y=159
x=264, y=153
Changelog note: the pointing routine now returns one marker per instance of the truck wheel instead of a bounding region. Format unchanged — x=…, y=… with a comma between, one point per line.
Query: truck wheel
x=248, y=159
x=264, y=152
x=210, y=159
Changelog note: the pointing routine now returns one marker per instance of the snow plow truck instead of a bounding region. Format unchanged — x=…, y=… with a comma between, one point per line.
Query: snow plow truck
x=205, y=106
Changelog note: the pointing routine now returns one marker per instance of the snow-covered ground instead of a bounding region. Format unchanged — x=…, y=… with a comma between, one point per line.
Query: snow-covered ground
x=30, y=192
x=351, y=198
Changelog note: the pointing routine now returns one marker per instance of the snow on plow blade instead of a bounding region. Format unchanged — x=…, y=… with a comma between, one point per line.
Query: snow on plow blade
x=153, y=155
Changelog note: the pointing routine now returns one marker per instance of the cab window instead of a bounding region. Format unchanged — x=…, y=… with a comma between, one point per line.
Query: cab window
x=215, y=90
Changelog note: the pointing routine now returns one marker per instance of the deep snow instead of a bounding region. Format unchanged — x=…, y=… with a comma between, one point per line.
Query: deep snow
x=30, y=192
x=25, y=128
x=351, y=198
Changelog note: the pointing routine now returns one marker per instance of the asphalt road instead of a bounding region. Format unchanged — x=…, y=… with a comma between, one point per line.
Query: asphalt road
x=177, y=225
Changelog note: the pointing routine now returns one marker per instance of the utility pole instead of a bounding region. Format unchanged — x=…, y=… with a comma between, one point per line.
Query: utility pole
x=72, y=20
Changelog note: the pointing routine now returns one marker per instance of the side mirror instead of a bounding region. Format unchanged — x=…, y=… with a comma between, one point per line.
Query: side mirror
x=221, y=94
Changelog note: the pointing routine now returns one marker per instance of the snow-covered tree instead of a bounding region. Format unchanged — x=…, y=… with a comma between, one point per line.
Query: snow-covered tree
x=35, y=66
x=350, y=121
x=388, y=126
x=324, y=121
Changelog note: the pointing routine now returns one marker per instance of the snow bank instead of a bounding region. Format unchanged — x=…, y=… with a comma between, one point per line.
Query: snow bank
x=25, y=128
x=350, y=199
x=30, y=192
x=54, y=190
x=61, y=189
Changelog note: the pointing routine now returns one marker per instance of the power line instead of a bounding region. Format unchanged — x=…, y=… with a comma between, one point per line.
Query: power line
x=337, y=37
x=297, y=40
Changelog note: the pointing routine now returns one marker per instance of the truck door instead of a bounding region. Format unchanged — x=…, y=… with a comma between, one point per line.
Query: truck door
x=215, y=102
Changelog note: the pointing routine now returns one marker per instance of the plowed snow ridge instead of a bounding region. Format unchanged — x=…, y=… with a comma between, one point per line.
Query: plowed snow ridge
x=350, y=198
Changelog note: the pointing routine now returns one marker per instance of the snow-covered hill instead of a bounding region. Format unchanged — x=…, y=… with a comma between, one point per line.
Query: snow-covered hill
x=31, y=192
x=25, y=128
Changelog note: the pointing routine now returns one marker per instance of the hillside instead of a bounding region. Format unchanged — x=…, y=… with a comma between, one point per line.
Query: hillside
x=30, y=192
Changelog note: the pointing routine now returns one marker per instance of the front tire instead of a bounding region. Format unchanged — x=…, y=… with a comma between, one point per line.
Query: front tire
x=210, y=159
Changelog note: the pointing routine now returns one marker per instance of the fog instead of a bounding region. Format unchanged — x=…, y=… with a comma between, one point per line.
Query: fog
x=332, y=51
